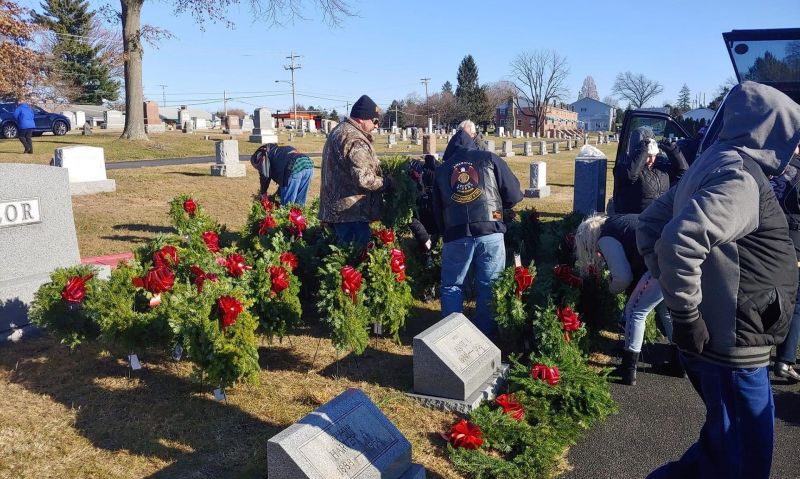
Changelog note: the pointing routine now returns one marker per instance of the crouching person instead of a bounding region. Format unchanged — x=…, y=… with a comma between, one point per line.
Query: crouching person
x=290, y=169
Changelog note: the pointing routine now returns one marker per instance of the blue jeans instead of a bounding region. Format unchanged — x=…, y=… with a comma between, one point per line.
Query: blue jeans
x=488, y=254
x=297, y=187
x=737, y=438
x=645, y=297
x=787, y=351
x=354, y=232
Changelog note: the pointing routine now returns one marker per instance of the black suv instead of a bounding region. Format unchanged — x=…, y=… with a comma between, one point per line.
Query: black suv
x=771, y=57
x=45, y=121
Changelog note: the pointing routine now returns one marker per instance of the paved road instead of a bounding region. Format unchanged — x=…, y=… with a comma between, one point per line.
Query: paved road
x=659, y=419
x=196, y=160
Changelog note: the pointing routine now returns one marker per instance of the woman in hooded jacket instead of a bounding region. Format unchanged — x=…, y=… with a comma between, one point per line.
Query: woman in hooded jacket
x=644, y=177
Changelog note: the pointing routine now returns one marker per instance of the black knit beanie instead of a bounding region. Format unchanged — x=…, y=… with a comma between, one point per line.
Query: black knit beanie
x=365, y=109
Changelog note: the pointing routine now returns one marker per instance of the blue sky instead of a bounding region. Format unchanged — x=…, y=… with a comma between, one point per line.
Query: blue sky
x=389, y=46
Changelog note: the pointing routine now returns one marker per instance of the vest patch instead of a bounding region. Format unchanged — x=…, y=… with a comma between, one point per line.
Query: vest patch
x=464, y=183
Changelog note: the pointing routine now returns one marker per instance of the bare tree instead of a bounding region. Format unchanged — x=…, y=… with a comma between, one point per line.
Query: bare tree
x=636, y=88
x=611, y=101
x=273, y=12
x=589, y=89
x=540, y=79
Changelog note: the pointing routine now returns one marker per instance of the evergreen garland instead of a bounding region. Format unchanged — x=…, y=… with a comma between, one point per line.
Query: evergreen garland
x=510, y=307
x=277, y=312
x=189, y=218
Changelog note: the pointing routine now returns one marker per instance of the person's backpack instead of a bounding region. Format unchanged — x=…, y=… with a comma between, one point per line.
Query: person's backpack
x=260, y=161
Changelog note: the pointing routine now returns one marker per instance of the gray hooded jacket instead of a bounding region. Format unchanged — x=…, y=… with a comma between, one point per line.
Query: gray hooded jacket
x=718, y=241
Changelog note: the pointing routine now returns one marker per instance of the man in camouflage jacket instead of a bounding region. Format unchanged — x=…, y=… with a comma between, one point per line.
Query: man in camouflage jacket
x=352, y=183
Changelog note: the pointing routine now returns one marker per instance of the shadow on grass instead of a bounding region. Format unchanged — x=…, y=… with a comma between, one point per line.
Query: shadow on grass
x=282, y=356
x=144, y=227
x=128, y=238
x=376, y=366
x=188, y=173
x=155, y=414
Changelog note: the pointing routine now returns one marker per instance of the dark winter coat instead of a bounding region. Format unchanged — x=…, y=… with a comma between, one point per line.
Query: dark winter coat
x=636, y=185
x=718, y=241
x=473, y=205
x=280, y=164
x=623, y=229
x=786, y=190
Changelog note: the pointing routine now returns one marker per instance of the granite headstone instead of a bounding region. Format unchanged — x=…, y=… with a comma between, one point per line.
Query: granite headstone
x=346, y=438
x=37, y=235
x=227, y=160
x=538, y=186
x=590, y=181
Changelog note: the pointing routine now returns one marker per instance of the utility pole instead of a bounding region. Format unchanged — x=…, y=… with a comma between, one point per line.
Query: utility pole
x=292, y=66
x=425, y=81
x=225, y=103
x=163, y=94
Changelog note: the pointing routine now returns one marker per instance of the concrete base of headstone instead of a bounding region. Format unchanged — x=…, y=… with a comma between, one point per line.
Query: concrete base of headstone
x=542, y=192
x=92, y=187
x=159, y=128
x=229, y=170
x=416, y=142
x=486, y=392
x=232, y=132
x=263, y=139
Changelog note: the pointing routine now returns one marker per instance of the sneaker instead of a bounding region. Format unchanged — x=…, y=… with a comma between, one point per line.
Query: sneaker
x=785, y=371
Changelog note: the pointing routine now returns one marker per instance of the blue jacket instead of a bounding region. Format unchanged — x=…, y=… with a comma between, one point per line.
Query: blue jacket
x=461, y=140
x=24, y=116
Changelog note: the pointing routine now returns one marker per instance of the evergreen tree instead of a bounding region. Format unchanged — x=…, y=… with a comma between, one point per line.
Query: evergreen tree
x=684, y=99
x=473, y=102
x=334, y=115
x=76, y=60
x=447, y=87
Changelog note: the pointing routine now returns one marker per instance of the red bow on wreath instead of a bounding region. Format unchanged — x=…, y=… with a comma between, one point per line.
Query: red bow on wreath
x=201, y=276
x=289, y=259
x=158, y=280
x=569, y=319
x=385, y=235
x=266, y=225
x=564, y=273
x=510, y=406
x=236, y=265
x=523, y=278
x=351, y=281
x=398, y=264
x=265, y=202
x=189, y=206
x=545, y=373
x=467, y=435
x=75, y=289
x=229, y=309
x=279, y=278
x=211, y=240
x=299, y=223
x=166, y=256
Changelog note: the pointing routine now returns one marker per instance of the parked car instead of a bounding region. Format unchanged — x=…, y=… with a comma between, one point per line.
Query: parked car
x=771, y=57
x=45, y=122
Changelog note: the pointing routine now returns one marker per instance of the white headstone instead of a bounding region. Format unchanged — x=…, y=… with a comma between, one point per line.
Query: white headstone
x=86, y=166
x=542, y=147
x=264, y=127
x=80, y=119
x=508, y=148
x=538, y=185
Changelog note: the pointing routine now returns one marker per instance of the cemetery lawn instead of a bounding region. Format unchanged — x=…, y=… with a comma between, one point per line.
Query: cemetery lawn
x=78, y=415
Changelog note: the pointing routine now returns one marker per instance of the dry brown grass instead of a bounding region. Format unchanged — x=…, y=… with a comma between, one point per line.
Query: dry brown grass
x=78, y=415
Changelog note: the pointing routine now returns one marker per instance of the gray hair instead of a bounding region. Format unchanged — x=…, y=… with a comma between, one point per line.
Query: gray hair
x=468, y=126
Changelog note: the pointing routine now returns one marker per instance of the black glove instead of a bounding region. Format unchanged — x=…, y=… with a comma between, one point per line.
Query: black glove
x=690, y=337
x=388, y=184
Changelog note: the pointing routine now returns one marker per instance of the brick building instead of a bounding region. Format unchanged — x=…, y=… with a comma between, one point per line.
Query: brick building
x=557, y=118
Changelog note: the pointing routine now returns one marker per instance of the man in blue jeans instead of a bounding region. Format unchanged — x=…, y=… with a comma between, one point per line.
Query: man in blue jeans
x=719, y=245
x=470, y=191
x=291, y=170
x=23, y=115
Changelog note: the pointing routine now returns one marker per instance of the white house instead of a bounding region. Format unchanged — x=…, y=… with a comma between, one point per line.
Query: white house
x=700, y=114
x=594, y=115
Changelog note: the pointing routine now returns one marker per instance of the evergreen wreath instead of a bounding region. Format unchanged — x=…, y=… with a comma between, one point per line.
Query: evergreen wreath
x=59, y=306
x=341, y=302
x=400, y=202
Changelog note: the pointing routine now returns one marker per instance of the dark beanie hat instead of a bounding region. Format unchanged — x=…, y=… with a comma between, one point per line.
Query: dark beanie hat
x=365, y=109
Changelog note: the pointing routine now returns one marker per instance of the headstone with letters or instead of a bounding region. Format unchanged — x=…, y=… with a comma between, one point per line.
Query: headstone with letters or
x=346, y=438
x=456, y=366
x=37, y=235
